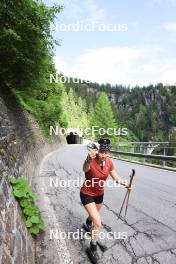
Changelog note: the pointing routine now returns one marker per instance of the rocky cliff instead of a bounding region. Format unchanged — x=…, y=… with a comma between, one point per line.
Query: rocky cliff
x=22, y=148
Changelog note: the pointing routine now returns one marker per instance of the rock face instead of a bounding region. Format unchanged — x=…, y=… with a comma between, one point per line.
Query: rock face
x=21, y=150
x=152, y=104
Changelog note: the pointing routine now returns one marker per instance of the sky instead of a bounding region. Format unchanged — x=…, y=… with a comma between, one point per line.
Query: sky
x=138, y=49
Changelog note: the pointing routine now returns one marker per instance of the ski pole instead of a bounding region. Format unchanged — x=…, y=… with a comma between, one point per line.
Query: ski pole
x=127, y=195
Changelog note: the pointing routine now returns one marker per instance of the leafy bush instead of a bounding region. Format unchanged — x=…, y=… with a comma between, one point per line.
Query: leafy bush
x=26, y=200
x=45, y=106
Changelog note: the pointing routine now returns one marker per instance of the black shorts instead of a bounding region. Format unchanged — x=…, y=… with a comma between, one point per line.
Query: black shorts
x=86, y=199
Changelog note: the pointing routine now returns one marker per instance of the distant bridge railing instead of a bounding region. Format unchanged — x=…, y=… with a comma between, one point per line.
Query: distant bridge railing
x=147, y=156
x=142, y=151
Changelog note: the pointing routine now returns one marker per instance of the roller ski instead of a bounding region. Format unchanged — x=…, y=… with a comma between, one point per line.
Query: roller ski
x=88, y=228
x=92, y=253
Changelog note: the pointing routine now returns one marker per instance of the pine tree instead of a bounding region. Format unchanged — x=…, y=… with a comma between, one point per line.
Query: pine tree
x=103, y=117
x=75, y=110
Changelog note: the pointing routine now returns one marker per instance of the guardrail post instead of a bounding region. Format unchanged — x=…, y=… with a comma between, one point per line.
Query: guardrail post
x=164, y=162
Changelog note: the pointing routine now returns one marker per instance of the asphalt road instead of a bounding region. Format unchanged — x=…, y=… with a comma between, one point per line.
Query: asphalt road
x=150, y=224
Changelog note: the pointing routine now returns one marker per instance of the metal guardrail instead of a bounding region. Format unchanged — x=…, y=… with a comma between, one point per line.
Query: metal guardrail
x=145, y=142
x=148, y=156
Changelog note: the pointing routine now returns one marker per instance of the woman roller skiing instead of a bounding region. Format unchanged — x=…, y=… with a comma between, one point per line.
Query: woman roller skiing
x=97, y=167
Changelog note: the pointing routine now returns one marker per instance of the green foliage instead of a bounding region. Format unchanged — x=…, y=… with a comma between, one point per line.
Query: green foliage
x=2, y=151
x=89, y=92
x=76, y=110
x=82, y=90
x=26, y=198
x=103, y=116
x=26, y=43
x=44, y=105
x=148, y=112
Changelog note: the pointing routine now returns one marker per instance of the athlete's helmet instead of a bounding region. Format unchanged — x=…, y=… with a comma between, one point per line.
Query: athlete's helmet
x=104, y=144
